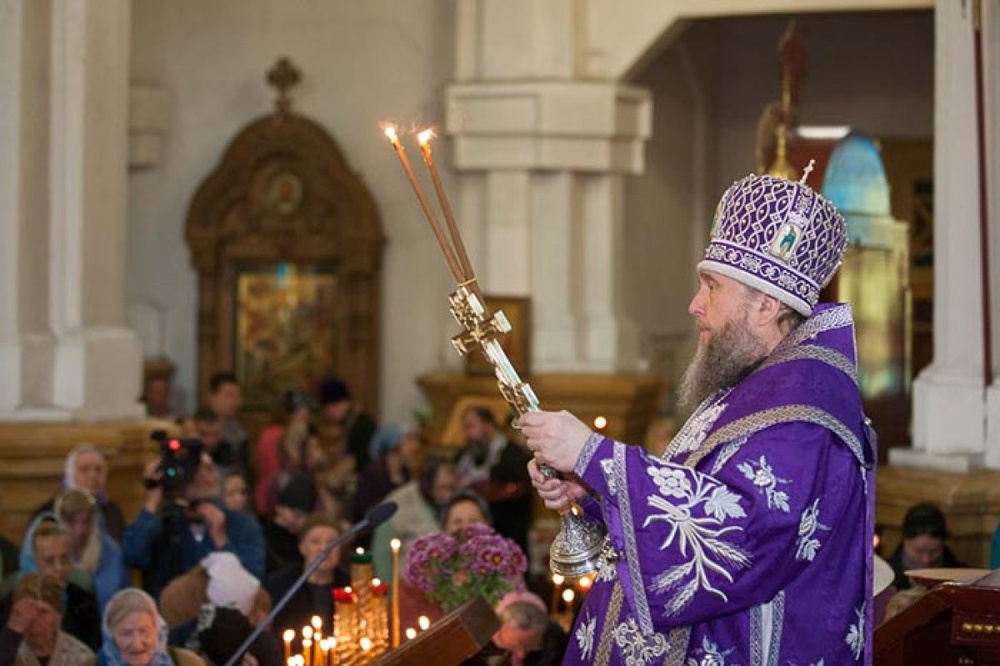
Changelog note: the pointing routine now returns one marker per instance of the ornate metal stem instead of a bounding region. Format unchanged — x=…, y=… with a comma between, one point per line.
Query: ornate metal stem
x=576, y=550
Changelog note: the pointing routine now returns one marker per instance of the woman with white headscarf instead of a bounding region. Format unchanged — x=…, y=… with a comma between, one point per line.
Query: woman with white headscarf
x=87, y=469
x=136, y=635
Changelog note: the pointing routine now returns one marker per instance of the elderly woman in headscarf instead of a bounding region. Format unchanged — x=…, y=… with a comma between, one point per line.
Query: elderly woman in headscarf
x=96, y=556
x=32, y=635
x=136, y=635
x=87, y=469
x=395, y=453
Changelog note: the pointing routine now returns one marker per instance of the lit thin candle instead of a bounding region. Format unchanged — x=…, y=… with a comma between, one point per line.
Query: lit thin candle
x=395, y=545
x=424, y=139
x=288, y=636
x=557, y=581
x=456, y=269
x=424, y=622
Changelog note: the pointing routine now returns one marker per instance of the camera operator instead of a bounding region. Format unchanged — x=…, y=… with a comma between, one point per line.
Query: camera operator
x=184, y=521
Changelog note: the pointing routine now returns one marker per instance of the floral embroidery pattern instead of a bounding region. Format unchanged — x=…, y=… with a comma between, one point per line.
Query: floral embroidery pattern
x=638, y=650
x=763, y=477
x=585, y=635
x=696, y=517
x=710, y=654
x=807, y=544
x=608, y=467
x=855, y=637
x=693, y=433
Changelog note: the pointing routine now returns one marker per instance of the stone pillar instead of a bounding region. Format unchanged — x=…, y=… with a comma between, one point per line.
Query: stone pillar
x=991, y=64
x=63, y=167
x=26, y=341
x=541, y=150
x=949, y=406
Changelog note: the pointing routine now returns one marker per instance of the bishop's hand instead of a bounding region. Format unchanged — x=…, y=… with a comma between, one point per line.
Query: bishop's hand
x=556, y=438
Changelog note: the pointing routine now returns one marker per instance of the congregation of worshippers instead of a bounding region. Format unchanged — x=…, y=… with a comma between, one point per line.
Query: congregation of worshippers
x=229, y=523
x=204, y=559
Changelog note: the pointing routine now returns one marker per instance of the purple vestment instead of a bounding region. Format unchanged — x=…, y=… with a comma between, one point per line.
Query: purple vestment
x=750, y=541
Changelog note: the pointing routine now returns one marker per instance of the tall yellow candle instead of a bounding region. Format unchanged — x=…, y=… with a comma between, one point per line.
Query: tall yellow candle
x=288, y=636
x=557, y=581
x=395, y=545
x=424, y=139
x=453, y=263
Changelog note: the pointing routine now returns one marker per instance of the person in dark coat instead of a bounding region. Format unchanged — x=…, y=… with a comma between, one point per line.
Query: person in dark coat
x=923, y=547
x=497, y=469
x=315, y=597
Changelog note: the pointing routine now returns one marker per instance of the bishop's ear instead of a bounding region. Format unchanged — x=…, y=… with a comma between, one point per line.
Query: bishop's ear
x=766, y=309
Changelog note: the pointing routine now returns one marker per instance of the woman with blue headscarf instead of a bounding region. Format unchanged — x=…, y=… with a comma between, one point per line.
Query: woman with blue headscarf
x=394, y=452
x=136, y=635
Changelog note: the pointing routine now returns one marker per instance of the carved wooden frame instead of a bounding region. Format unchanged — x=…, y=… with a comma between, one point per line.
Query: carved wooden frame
x=234, y=218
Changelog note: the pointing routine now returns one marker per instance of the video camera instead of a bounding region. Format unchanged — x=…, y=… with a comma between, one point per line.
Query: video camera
x=179, y=460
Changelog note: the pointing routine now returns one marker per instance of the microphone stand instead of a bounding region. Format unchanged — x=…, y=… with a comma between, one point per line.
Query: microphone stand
x=373, y=518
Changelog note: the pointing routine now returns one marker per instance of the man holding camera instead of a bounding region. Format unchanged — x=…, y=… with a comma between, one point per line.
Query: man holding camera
x=182, y=521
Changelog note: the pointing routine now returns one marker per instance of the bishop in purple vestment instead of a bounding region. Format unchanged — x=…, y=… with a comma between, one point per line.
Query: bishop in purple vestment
x=749, y=541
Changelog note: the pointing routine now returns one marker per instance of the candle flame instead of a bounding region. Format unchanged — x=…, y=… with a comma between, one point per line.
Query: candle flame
x=359, y=550
x=424, y=137
x=395, y=544
x=568, y=595
x=316, y=622
x=557, y=579
x=307, y=632
x=376, y=582
x=366, y=643
x=411, y=633
x=424, y=622
x=600, y=423
x=390, y=131
x=289, y=635
x=585, y=583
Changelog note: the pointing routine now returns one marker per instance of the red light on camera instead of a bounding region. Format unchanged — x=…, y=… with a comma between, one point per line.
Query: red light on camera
x=175, y=445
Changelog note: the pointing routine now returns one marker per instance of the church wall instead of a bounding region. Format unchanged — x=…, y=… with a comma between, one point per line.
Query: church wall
x=362, y=62
x=709, y=88
x=872, y=71
x=663, y=243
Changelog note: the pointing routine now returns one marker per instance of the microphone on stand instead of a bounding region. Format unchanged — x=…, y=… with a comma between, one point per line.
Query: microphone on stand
x=375, y=517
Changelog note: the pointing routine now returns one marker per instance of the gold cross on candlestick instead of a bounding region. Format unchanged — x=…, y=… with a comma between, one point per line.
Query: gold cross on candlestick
x=577, y=549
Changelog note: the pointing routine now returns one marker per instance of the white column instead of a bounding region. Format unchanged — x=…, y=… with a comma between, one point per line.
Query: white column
x=949, y=407
x=26, y=343
x=550, y=221
x=98, y=359
x=65, y=352
x=991, y=67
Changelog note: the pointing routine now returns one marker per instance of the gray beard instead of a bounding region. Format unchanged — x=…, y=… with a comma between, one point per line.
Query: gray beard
x=721, y=362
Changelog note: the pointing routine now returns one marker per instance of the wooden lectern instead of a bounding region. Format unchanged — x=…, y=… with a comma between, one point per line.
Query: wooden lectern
x=954, y=623
x=457, y=638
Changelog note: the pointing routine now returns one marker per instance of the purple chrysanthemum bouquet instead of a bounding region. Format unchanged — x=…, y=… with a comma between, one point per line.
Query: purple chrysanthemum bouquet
x=476, y=561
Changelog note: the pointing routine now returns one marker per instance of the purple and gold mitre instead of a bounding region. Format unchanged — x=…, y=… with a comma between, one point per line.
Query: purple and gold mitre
x=778, y=236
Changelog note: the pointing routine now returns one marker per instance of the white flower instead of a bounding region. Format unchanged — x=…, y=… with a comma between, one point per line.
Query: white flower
x=855, y=637
x=585, y=635
x=808, y=545
x=671, y=482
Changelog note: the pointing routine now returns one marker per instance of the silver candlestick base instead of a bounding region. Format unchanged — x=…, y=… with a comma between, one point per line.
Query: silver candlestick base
x=576, y=550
